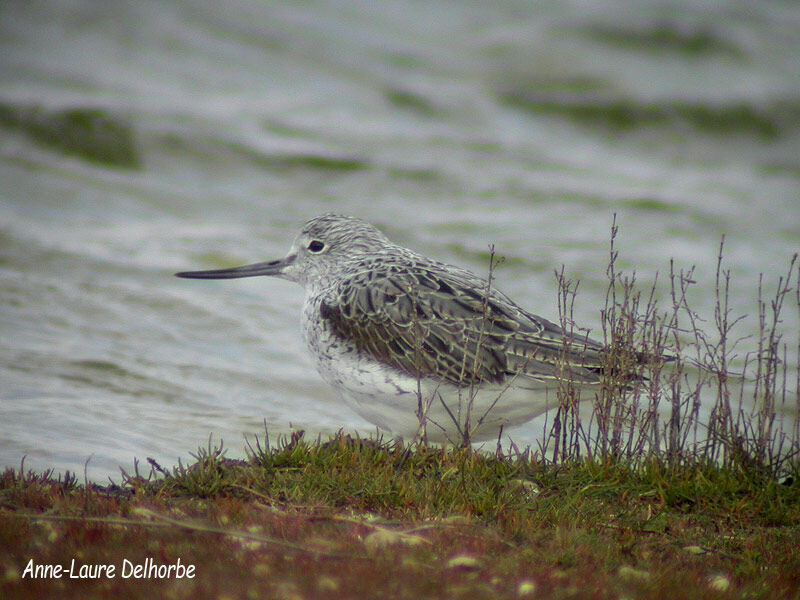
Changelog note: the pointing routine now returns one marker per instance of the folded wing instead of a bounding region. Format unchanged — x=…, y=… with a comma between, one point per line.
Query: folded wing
x=431, y=322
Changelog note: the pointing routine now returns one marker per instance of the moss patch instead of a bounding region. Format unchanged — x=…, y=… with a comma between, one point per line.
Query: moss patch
x=359, y=519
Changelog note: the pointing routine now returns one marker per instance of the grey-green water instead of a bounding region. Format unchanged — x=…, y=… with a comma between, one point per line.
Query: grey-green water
x=138, y=139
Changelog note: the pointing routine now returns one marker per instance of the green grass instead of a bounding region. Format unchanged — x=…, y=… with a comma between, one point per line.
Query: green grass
x=352, y=518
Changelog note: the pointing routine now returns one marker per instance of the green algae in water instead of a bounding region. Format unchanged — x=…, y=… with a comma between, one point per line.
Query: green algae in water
x=626, y=115
x=89, y=133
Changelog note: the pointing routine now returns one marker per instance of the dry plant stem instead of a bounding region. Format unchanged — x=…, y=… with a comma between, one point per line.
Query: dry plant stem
x=481, y=337
x=568, y=431
x=677, y=435
x=423, y=405
x=771, y=374
x=645, y=409
x=465, y=406
x=493, y=263
x=628, y=422
x=796, y=430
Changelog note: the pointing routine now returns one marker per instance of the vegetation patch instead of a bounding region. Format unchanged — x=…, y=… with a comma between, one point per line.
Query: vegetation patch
x=353, y=518
x=620, y=116
x=89, y=133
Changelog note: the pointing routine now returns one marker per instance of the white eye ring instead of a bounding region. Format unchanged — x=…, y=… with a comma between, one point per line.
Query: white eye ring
x=316, y=246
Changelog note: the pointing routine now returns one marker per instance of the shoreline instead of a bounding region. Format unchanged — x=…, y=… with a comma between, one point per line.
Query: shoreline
x=361, y=518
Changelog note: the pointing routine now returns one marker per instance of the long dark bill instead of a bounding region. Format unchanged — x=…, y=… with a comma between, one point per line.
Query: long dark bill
x=273, y=267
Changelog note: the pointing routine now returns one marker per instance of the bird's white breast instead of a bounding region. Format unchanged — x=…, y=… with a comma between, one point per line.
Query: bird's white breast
x=392, y=399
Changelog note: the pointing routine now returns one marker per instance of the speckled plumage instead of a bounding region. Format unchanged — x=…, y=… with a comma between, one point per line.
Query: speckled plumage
x=401, y=336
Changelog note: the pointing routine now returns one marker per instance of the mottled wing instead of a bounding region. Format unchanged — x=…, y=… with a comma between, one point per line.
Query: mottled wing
x=438, y=322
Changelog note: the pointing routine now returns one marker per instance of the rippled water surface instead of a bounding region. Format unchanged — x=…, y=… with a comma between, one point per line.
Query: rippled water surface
x=138, y=139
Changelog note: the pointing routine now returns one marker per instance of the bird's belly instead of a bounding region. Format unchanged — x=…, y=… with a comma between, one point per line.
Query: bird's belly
x=398, y=402
x=449, y=414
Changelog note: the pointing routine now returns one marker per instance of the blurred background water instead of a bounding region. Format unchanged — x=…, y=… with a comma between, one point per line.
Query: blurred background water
x=142, y=138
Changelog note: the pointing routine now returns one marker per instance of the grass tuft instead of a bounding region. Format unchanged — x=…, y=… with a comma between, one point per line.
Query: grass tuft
x=350, y=517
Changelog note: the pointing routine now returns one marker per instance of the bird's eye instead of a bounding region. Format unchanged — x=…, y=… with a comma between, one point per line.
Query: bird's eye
x=315, y=246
